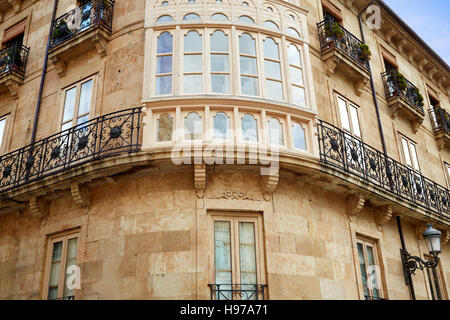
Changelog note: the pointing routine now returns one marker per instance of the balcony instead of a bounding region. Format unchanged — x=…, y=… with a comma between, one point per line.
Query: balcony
x=85, y=28
x=349, y=154
x=341, y=49
x=403, y=98
x=440, y=121
x=13, y=62
x=237, y=291
x=96, y=139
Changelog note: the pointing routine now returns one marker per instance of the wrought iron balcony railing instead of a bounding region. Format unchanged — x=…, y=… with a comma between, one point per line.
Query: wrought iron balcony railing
x=440, y=120
x=237, y=291
x=98, y=138
x=13, y=59
x=94, y=13
x=343, y=151
x=396, y=85
x=333, y=35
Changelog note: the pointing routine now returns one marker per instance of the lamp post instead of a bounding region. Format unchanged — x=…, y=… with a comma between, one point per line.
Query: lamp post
x=412, y=263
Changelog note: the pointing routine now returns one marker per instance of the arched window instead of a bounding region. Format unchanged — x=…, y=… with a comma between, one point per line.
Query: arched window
x=244, y=4
x=299, y=136
x=193, y=126
x=249, y=128
x=246, y=19
x=248, y=65
x=220, y=63
x=219, y=17
x=296, y=76
x=164, y=67
x=271, y=25
x=193, y=63
x=165, y=3
x=191, y=16
x=191, y=1
x=274, y=86
x=218, y=1
x=164, y=127
x=291, y=16
x=164, y=18
x=275, y=132
x=221, y=126
x=269, y=9
x=293, y=32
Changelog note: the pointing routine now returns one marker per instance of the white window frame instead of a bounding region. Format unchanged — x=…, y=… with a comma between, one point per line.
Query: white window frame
x=350, y=119
x=411, y=155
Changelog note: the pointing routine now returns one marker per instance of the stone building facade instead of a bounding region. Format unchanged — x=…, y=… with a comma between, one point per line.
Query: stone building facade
x=205, y=149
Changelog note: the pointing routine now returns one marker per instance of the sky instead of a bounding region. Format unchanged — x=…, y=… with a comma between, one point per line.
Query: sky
x=430, y=19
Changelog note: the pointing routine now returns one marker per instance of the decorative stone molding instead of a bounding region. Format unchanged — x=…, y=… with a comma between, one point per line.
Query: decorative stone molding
x=80, y=194
x=413, y=53
x=360, y=85
x=100, y=44
x=38, y=207
x=269, y=184
x=422, y=63
x=16, y=4
x=331, y=64
x=390, y=34
x=200, y=180
x=420, y=229
x=383, y=216
x=445, y=238
x=13, y=87
x=60, y=66
x=401, y=45
x=355, y=204
x=233, y=195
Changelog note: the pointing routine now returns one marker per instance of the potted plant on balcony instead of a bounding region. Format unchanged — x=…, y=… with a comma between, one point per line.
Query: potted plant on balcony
x=418, y=97
x=364, y=52
x=61, y=31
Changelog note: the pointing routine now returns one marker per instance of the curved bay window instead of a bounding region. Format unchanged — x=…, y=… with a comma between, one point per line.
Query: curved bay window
x=221, y=126
x=193, y=63
x=249, y=128
x=164, y=64
x=298, y=133
x=296, y=76
x=164, y=128
x=193, y=127
x=248, y=65
x=275, y=132
x=274, y=84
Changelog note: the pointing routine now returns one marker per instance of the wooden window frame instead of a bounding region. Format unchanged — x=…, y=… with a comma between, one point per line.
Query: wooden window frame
x=234, y=218
x=64, y=237
x=447, y=173
x=348, y=104
x=374, y=244
x=403, y=153
x=75, y=115
x=3, y=141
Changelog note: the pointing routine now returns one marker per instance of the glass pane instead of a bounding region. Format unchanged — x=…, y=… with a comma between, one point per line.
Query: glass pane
x=270, y=25
x=275, y=133
x=362, y=266
x=249, y=86
x=85, y=98
x=274, y=90
x=222, y=258
x=299, y=137
x=246, y=19
x=193, y=42
x=271, y=49
x=406, y=151
x=2, y=129
x=298, y=95
x=355, y=122
x=71, y=259
x=66, y=126
x=293, y=32
x=247, y=44
x=191, y=16
x=193, y=83
x=343, y=113
x=164, y=19
x=248, y=66
x=83, y=119
x=221, y=126
x=372, y=272
x=193, y=127
x=54, y=270
x=219, y=42
x=220, y=83
x=219, y=17
x=219, y=63
x=296, y=75
x=164, y=64
x=272, y=70
x=164, y=85
x=69, y=104
x=294, y=56
x=165, y=127
x=249, y=129
x=247, y=260
x=165, y=43
x=193, y=63
x=414, y=156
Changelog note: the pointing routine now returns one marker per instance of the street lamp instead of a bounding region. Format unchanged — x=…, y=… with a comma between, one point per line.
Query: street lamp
x=412, y=263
